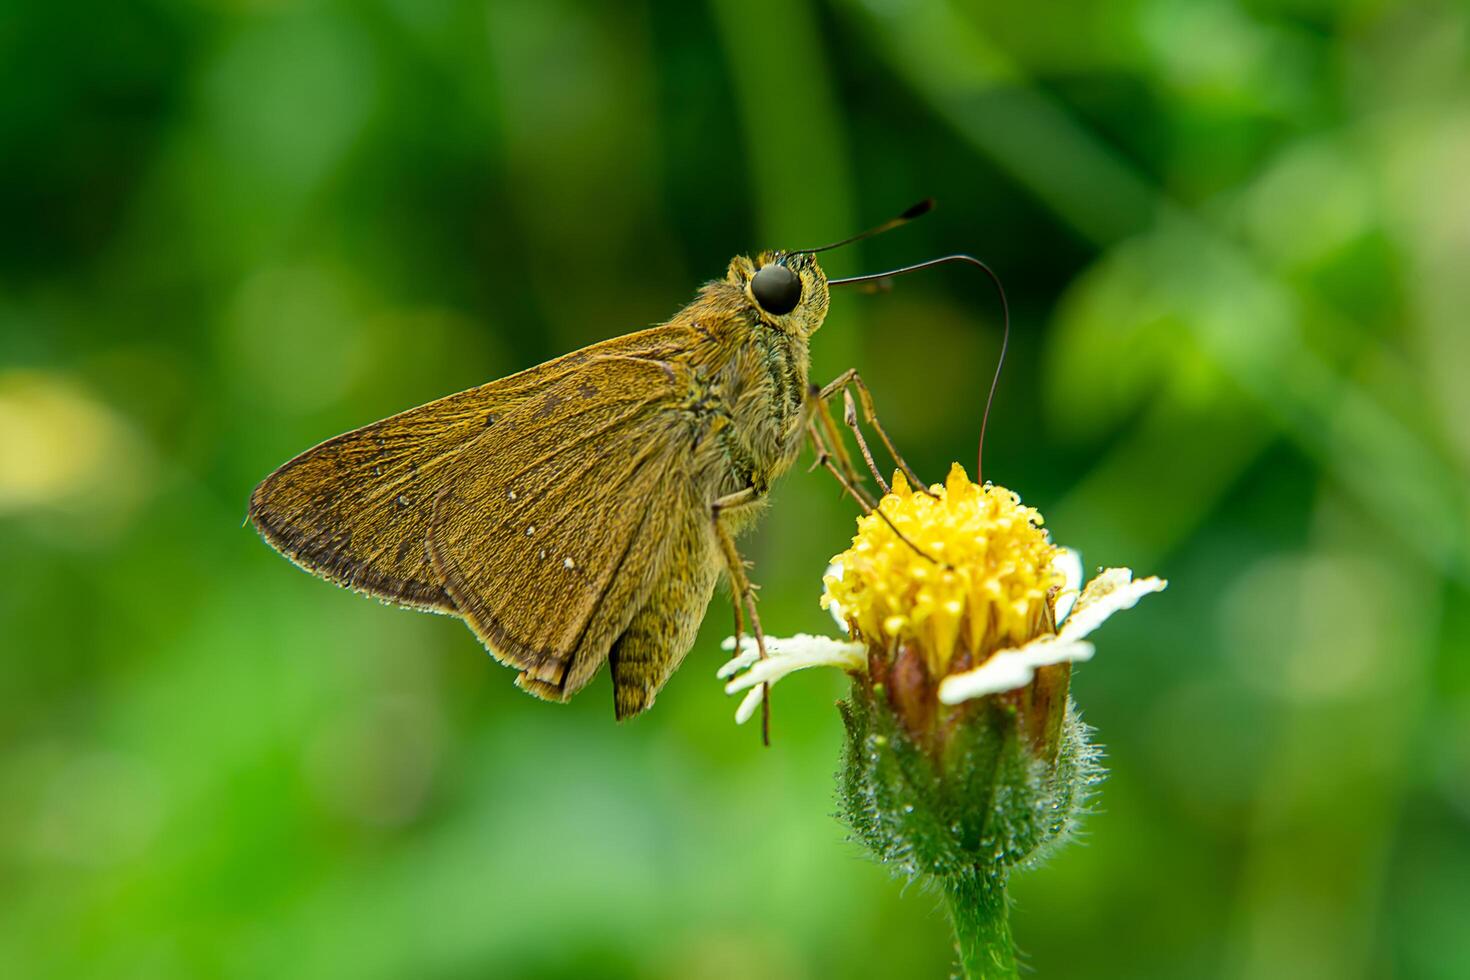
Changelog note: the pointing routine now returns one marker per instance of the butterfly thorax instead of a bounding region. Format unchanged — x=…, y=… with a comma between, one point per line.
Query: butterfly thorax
x=747, y=403
x=772, y=414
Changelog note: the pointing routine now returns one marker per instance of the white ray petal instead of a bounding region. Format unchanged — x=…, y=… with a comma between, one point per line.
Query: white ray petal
x=749, y=703
x=1069, y=563
x=1111, y=591
x=749, y=655
x=785, y=655
x=1007, y=670
x=797, y=653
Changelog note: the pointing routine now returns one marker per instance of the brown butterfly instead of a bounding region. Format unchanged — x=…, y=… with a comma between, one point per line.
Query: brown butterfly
x=580, y=512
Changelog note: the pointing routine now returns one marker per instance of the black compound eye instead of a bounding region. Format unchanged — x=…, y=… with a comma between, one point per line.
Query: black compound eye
x=776, y=289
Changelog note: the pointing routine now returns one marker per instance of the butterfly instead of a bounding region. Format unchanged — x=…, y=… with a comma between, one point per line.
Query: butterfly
x=581, y=512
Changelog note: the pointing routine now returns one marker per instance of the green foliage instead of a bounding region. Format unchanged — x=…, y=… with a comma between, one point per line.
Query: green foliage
x=1233, y=239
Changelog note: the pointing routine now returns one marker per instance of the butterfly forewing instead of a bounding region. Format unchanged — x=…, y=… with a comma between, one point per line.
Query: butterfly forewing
x=539, y=492
x=564, y=509
x=355, y=509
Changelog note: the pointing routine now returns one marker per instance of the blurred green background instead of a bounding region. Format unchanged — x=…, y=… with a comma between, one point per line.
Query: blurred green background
x=1236, y=237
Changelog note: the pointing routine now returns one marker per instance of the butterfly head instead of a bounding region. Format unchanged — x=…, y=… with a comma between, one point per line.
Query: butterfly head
x=787, y=290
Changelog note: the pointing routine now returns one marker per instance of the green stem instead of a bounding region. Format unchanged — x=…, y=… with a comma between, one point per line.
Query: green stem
x=982, y=928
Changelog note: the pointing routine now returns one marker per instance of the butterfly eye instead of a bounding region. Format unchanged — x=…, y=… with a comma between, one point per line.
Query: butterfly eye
x=776, y=289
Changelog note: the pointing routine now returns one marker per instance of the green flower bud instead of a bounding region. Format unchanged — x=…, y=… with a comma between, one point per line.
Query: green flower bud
x=971, y=790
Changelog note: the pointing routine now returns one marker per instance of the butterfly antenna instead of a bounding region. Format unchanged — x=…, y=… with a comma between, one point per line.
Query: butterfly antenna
x=913, y=211
x=1005, y=335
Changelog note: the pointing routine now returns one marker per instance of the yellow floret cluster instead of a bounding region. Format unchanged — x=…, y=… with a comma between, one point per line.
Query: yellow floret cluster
x=985, y=586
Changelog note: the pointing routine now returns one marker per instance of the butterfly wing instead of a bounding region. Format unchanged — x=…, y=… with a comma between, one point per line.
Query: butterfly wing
x=355, y=509
x=430, y=508
x=562, y=522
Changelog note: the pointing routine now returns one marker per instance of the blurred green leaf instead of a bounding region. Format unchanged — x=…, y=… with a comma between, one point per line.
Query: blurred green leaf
x=1234, y=242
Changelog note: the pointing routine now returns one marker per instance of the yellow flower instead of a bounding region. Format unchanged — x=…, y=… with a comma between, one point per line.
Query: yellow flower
x=984, y=581
x=965, y=756
x=987, y=607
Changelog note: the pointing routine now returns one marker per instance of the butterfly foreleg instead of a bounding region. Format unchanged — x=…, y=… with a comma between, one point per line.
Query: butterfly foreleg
x=850, y=379
x=833, y=446
x=825, y=459
x=824, y=445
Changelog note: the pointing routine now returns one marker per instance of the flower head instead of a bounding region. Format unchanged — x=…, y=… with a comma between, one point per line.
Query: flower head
x=961, y=569
x=954, y=594
x=964, y=750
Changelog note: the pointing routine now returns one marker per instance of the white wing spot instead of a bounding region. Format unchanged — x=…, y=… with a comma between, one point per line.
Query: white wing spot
x=510, y=494
x=530, y=530
x=569, y=563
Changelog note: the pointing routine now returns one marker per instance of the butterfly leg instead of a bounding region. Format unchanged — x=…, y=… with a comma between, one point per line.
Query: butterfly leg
x=825, y=459
x=835, y=446
x=849, y=419
x=740, y=586
x=823, y=447
x=851, y=379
